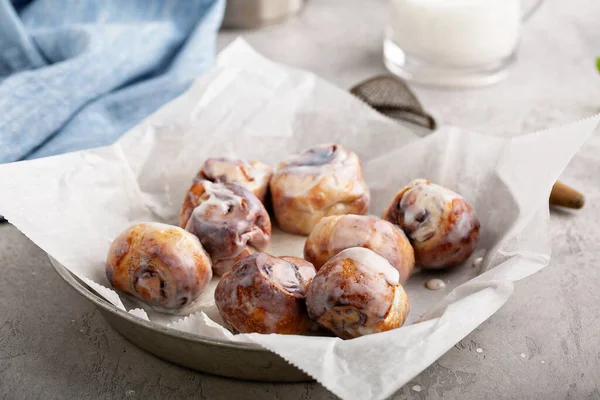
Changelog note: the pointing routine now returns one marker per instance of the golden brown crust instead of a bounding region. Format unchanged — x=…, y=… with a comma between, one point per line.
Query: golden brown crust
x=253, y=175
x=228, y=219
x=192, y=199
x=336, y=233
x=162, y=265
x=440, y=224
x=265, y=294
x=223, y=265
x=357, y=293
x=393, y=213
x=322, y=181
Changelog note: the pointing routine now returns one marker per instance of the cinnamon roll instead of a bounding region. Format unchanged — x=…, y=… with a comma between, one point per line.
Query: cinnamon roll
x=266, y=294
x=162, y=265
x=336, y=233
x=357, y=293
x=441, y=225
x=229, y=220
x=306, y=268
x=325, y=180
x=253, y=175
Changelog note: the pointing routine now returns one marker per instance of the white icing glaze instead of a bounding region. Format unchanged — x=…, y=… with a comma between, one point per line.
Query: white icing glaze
x=393, y=310
x=461, y=228
x=435, y=284
x=180, y=244
x=271, y=319
x=343, y=238
x=339, y=172
x=284, y=273
x=300, y=185
x=246, y=280
x=219, y=197
x=250, y=175
x=301, y=161
x=429, y=197
x=369, y=261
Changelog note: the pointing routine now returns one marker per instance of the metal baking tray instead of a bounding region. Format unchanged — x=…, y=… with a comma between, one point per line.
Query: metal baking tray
x=235, y=360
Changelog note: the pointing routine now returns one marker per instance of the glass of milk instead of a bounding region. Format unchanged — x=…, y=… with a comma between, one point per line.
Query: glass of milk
x=453, y=43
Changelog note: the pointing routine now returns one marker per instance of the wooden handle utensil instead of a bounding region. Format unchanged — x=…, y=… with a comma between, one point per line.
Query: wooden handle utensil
x=565, y=196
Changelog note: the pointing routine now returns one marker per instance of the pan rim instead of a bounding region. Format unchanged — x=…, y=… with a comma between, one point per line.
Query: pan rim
x=73, y=282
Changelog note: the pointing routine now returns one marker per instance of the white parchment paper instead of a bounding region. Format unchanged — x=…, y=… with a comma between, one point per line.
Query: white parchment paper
x=73, y=205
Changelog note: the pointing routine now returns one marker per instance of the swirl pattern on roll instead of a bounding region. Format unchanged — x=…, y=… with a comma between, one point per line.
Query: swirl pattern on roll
x=441, y=225
x=336, y=233
x=162, y=265
x=357, y=293
x=253, y=175
x=321, y=181
x=265, y=294
x=228, y=219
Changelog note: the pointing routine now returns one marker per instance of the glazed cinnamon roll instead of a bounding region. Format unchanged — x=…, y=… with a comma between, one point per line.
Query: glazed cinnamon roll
x=306, y=268
x=440, y=224
x=357, y=293
x=253, y=175
x=228, y=219
x=162, y=265
x=265, y=294
x=325, y=180
x=336, y=233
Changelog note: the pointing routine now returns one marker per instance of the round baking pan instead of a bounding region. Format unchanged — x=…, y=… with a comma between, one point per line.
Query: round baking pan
x=235, y=360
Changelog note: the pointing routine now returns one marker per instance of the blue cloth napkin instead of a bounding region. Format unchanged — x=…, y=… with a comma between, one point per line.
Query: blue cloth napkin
x=77, y=74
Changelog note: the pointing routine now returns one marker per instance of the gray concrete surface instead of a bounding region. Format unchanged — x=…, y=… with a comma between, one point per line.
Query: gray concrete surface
x=544, y=343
